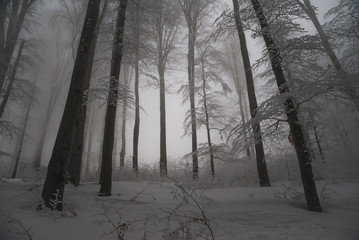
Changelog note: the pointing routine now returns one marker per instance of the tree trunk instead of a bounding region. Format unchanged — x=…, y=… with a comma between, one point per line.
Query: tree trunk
x=348, y=88
x=211, y=155
x=11, y=79
x=23, y=131
x=136, y=128
x=74, y=169
x=110, y=118
x=291, y=112
x=53, y=189
x=163, y=144
x=258, y=142
x=124, y=121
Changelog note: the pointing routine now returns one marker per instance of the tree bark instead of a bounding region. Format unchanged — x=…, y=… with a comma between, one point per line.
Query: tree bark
x=110, y=118
x=53, y=189
x=124, y=121
x=74, y=169
x=163, y=144
x=11, y=79
x=291, y=112
x=258, y=141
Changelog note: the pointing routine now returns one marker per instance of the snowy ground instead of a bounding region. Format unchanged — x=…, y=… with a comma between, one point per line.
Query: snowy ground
x=143, y=210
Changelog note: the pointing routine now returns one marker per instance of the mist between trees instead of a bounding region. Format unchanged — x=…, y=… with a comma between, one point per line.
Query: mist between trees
x=227, y=93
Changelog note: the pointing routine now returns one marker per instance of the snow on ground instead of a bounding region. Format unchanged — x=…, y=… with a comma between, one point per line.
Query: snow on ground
x=142, y=210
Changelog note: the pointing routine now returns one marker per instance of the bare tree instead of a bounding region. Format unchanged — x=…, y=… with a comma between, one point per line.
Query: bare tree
x=110, y=118
x=194, y=11
x=291, y=109
x=261, y=163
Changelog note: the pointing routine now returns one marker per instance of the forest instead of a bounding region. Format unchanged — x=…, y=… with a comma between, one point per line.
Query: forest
x=179, y=119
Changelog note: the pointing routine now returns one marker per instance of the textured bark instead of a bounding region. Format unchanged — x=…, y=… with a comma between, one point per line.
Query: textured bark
x=11, y=79
x=163, y=144
x=261, y=163
x=110, y=118
x=348, y=88
x=290, y=107
x=74, y=169
x=56, y=174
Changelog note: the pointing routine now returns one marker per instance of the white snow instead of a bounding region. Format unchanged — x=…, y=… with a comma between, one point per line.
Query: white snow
x=141, y=210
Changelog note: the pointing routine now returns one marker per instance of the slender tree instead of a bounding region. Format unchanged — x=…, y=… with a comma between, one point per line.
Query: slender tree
x=110, y=118
x=53, y=190
x=258, y=141
x=344, y=76
x=291, y=109
x=194, y=12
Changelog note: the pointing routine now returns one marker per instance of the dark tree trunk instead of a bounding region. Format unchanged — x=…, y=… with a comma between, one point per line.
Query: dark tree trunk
x=74, y=169
x=53, y=189
x=136, y=128
x=208, y=129
x=191, y=53
x=110, y=118
x=348, y=88
x=163, y=144
x=124, y=120
x=11, y=79
x=291, y=112
x=258, y=142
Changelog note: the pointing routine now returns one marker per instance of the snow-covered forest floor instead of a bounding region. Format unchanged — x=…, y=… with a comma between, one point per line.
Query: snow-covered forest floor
x=168, y=210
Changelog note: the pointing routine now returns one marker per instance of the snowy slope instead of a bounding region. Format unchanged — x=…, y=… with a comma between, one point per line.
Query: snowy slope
x=141, y=210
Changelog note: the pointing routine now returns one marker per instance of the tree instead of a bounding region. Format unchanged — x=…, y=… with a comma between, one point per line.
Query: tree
x=343, y=75
x=110, y=118
x=74, y=170
x=12, y=17
x=53, y=189
x=261, y=163
x=194, y=12
x=291, y=109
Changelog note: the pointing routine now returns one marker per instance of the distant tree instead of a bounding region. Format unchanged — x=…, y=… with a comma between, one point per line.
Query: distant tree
x=194, y=12
x=344, y=76
x=261, y=163
x=12, y=16
x=110, y=118
x=291, y=110
x=53, y=188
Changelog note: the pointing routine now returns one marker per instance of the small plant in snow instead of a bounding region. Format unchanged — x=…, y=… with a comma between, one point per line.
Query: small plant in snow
x=196, y=218
x=288, y=192
x=54, y=202
x=119, y=227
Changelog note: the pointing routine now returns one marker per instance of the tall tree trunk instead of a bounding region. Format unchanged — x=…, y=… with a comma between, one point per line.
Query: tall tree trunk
x=316, y=135
x=124, y=120
x=261, y=163
x=191, y=54
x=110, y=118
x=23, y=131
x=348, y=88
x=163, y=144
x=291, y=111
x=11, y=79
x=53, y=189
x=209, y=141
x=74, y=169
x=136, y=128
